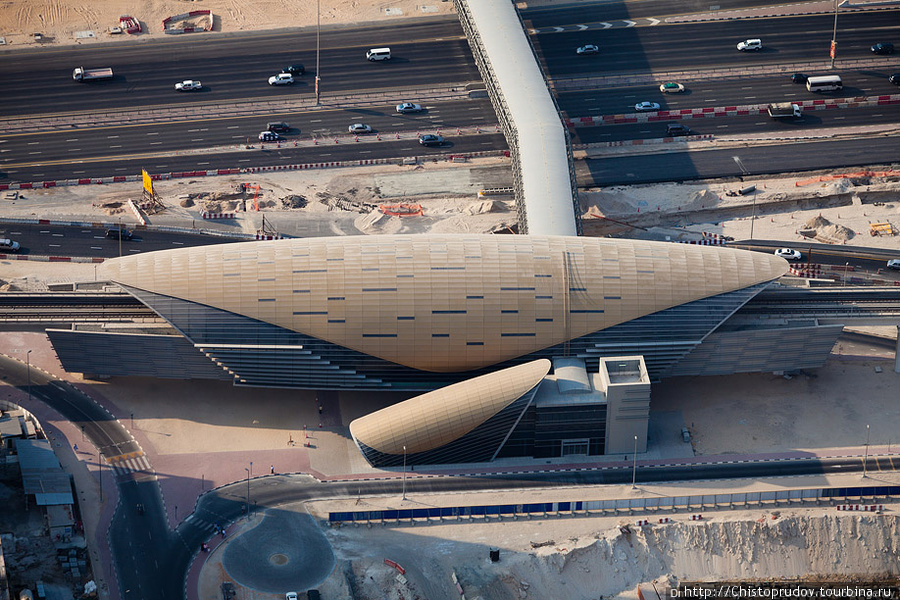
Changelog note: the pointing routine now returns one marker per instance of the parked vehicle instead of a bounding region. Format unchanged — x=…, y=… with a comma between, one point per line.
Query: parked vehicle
x=789, y=253
x=671, y=87
x=188, y=85
x=825, y=83
x=588, y=49
x=85, y=75
x=376, y=54
x=281, y=79
x=750, y=45
x=646, y=106
x=780, y=110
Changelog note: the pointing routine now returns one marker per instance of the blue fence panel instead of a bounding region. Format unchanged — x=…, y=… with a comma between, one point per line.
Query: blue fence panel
x=390, y=515
x=507, y=509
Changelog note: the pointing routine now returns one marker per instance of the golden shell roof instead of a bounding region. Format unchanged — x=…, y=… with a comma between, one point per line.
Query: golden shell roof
x=445, y=303
x=437, y=418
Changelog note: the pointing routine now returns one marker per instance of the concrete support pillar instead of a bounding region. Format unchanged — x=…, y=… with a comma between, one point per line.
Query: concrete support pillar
x=897, y=352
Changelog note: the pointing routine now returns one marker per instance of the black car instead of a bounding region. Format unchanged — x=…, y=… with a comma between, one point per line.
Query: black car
x=883, y=48
x=674, y=129
x=429, y=139
x=294, y=70
x=278, y=126
x=894, y=78
x=115, y=234
x=799, y=78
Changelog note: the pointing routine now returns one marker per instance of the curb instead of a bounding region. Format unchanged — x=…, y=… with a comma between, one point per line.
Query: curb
x=235, y=171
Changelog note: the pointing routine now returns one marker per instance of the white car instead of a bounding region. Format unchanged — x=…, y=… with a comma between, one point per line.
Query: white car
x=894, y=263
x=359, y=128
x=281, y=79
x=269, y=136
x=588, y=49
x=748, y=45
x=646, y=106
x=290, y=596
x=788, y=253
x=409, y=107
x=670, y=87
x=188, y=85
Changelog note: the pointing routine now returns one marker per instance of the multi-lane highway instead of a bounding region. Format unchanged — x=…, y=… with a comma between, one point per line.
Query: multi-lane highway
x=59, y=129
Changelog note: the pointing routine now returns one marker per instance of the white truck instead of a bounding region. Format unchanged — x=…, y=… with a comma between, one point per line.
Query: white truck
x=82, y=74
x=780, y=110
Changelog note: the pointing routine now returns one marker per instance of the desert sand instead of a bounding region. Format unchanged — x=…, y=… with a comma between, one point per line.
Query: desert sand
x=58, y=21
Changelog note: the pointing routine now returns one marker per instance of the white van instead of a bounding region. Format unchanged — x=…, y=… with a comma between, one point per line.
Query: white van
x=379, y=54
x=825, y=83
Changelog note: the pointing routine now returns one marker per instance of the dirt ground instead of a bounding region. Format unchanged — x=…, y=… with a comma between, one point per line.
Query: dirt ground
x=58, y=21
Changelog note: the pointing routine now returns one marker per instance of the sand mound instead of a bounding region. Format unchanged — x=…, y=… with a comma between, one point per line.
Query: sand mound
x=824, y=228
x=817, y=222
x=484, y=207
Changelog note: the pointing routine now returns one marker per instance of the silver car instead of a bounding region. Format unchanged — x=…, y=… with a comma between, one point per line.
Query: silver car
x=359, y=128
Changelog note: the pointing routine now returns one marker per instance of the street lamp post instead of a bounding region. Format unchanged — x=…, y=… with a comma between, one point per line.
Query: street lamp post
x=318, y=20
x=28, y=370
x=866, y=459
x=248, y=491
x=634, y=466
x=834, y=35
x=846, y=272
x=100, y=469
x=404, y=472
x=120, y=237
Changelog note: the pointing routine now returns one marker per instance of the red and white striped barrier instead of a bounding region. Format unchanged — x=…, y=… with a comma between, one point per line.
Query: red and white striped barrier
x=861, y=507
x=137, y=213
x=262, y=237
x=811, y=271
x=208, y=215
x=696, y=517
x=642, y=522
x=664, y=520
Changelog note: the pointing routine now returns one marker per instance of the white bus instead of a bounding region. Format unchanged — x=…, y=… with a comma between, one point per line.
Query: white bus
x=825, y=83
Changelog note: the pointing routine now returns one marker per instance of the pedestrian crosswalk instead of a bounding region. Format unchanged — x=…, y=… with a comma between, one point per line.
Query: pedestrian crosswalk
x=132, y=462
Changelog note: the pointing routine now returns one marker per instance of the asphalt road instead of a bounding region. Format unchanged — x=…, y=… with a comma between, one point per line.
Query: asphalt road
x=63, y=240
x=704, y=45
x=777, y=87
x=234, y=66
x=139, y=541
x=209, y=142
x=426, y=53
x=734, y=162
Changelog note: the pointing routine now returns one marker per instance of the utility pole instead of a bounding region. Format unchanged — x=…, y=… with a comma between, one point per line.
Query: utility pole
x=634, y=466
x=404, y=472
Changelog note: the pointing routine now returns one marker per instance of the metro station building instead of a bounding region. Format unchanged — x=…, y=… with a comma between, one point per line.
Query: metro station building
x=493, y=316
